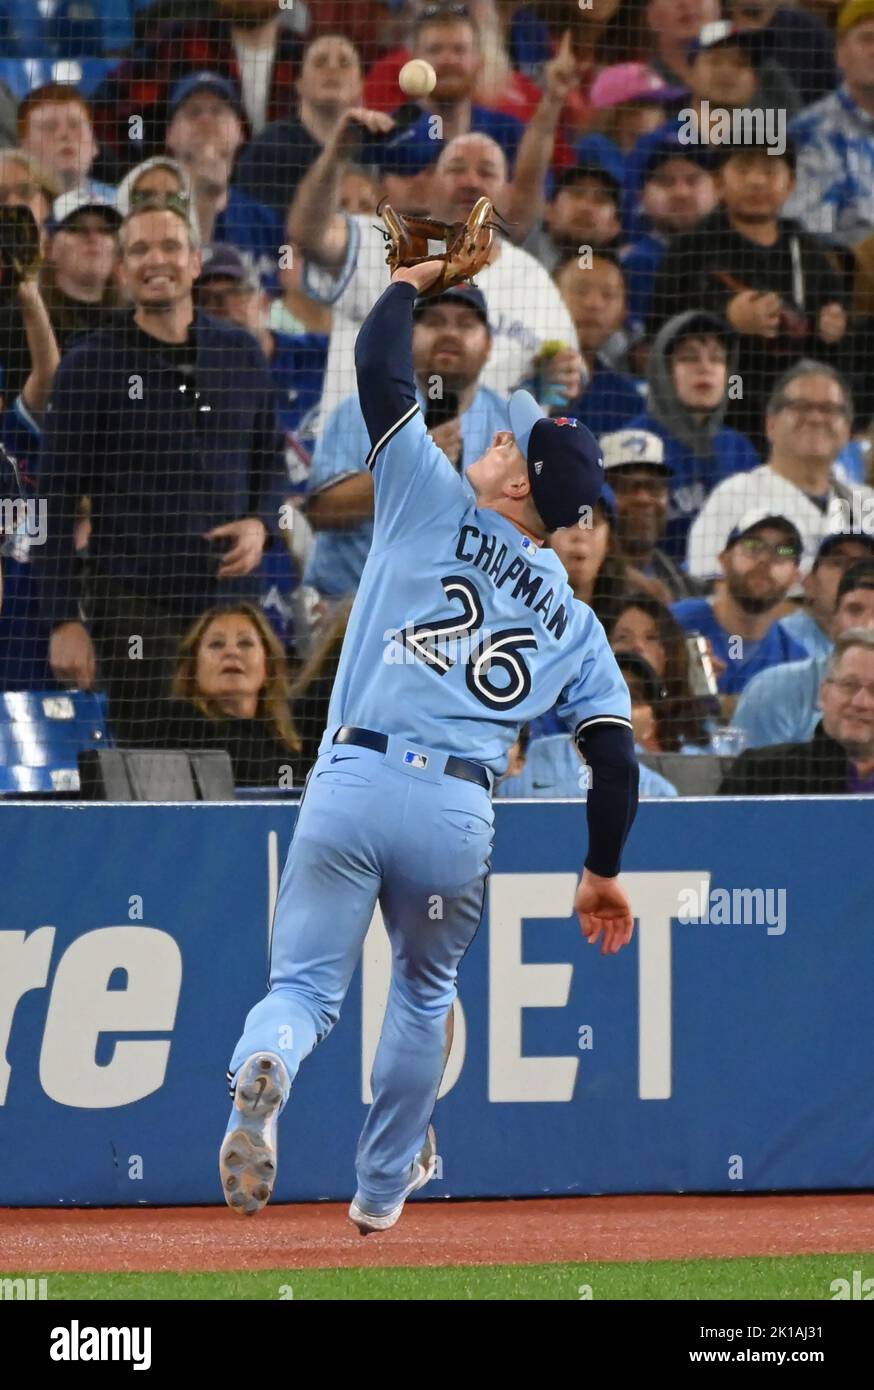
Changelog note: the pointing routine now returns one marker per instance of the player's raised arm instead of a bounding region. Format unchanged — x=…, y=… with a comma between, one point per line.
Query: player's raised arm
x=384, y=353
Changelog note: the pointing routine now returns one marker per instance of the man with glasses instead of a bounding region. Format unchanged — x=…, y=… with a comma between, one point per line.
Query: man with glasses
x=807, y=421
x=839, y=758
x=635, y=467
x=759, y=564
x=782, y=705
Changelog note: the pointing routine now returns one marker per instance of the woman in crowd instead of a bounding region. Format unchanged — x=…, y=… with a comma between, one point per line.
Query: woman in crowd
x=641, y=624
x=598, y=572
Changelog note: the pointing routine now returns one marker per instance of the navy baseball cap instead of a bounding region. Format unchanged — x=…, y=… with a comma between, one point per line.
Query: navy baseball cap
x=670, y=146
x=407, y=149
x=205, y=82
x=836, y=538
x=226, y=263
x=456, y=294
x=565, y=467
x=858, y=576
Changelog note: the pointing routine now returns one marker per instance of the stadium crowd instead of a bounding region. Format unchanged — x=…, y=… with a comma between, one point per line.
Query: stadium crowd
x=686, y=265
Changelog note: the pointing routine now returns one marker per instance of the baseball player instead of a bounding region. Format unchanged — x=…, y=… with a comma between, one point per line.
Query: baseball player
x=464, y=628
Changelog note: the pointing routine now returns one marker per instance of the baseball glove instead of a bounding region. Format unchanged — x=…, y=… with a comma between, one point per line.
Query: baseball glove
x=467, y=243
x=19, y=246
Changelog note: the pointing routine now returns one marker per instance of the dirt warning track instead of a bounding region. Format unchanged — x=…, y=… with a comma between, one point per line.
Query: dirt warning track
x=540, y=1231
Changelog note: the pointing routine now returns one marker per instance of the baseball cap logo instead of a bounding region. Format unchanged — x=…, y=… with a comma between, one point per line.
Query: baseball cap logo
x=564, y=420
x=538, y=467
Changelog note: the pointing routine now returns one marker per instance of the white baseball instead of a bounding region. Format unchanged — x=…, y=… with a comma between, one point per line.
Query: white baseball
x=417, y=78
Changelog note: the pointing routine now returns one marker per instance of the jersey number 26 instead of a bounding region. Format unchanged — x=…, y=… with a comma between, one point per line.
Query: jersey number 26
x=484, y=653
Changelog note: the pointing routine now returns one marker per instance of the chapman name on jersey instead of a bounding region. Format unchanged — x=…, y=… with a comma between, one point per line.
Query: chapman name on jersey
x=492, y=556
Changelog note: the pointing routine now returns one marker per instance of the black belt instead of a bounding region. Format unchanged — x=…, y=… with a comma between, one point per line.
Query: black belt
x=455, y=767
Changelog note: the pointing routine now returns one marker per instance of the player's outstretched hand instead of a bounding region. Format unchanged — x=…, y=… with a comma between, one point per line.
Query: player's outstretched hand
x=602, y=907
x=423, y=276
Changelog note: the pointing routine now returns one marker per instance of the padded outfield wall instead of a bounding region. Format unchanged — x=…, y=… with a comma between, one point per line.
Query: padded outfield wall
x=729, y=1052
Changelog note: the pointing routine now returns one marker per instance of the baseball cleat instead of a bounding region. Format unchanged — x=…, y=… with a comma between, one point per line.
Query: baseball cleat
x=247, y=1161
x=423, y=1169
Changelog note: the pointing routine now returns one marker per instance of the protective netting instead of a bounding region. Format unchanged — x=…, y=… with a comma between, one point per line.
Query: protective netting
x=189, y=243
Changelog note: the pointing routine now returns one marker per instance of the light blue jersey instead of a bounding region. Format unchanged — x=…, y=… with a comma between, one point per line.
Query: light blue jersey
x=337, y=559
x=463, y=627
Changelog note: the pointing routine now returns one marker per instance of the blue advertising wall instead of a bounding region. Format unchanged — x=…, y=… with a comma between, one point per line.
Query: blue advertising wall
x=717, y=1054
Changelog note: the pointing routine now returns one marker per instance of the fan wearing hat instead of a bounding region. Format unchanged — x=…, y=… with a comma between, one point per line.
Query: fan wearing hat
x=582, y=210
x=678, y=192
x=773, y=282
x=835, y=191
x=630, y=101
x=782, y=705
x=735, y=68
x=812, y=623
x=805, y=46
x=635, y=468
x=452, y=341
x=80, y=275
x=690, y=364
x=759, y=562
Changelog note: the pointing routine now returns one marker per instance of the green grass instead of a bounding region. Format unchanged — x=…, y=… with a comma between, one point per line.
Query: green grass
x=798, y=1277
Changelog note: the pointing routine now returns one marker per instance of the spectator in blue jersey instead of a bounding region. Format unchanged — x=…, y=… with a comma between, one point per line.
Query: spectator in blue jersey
x=835, y=190
x=759, y=564
x=812, y=622
x=582, y=210
x=206, y=129
x=271, y=165
x=593, y=288
x=678, y=192
x=782, y=704
x=690, y=369
x=635, y=467
x=597, y=570
x=451, y=345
